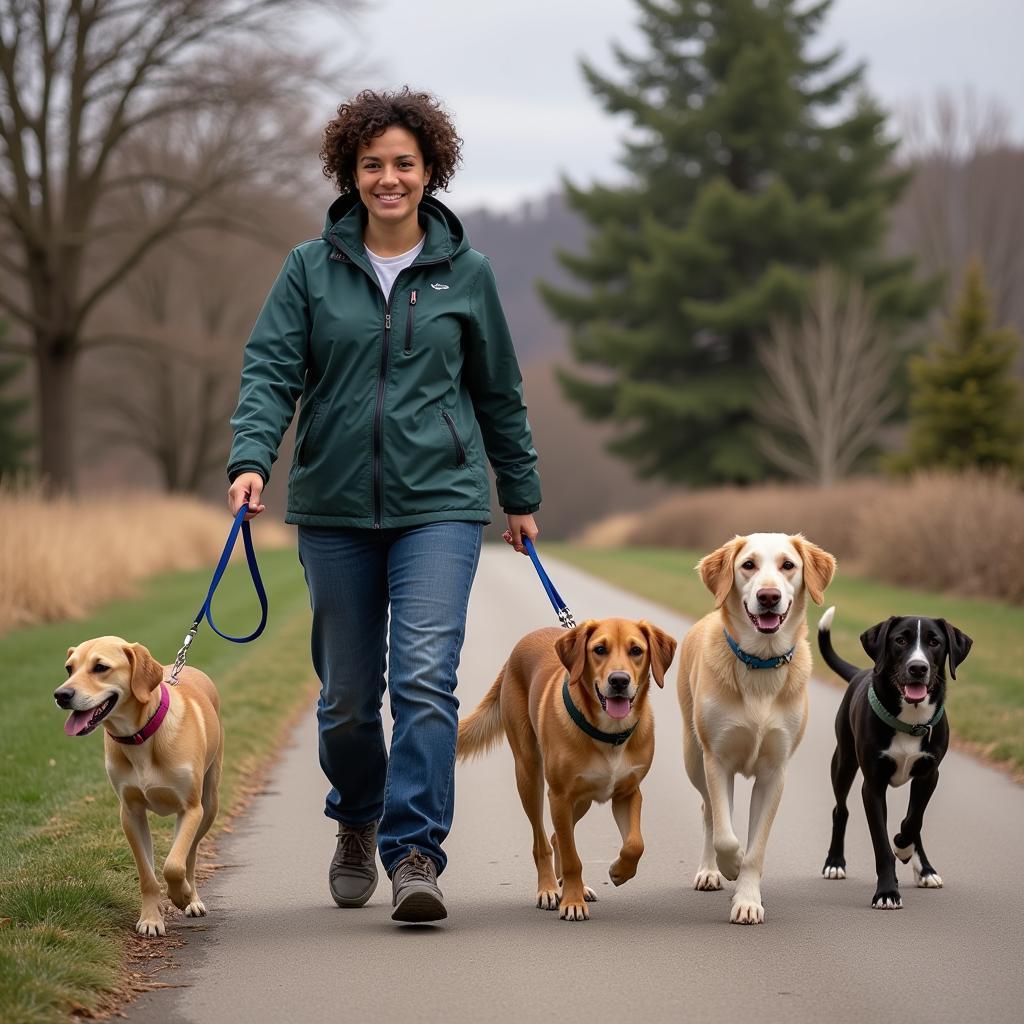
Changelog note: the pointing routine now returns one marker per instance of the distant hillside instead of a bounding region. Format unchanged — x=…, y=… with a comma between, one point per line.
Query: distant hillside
x=521, y=247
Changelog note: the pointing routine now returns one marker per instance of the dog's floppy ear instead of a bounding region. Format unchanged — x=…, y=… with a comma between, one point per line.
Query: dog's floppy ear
x=147, y=673
x=662, y=649
x=819, y=567
x=716, y=569
x=873, y=639
x=958, y=645
x=571, y=648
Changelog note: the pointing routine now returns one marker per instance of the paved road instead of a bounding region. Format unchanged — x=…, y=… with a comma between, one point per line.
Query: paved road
x=276, y=949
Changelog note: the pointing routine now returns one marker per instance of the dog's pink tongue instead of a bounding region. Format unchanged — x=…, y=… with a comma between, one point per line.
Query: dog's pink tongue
x=770, y=621
x=617, y=707
x=916, y=691
x=77, y=722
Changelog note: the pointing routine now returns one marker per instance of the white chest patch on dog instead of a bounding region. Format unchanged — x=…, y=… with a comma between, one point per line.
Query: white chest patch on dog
x=904, y=750
x=605, y=771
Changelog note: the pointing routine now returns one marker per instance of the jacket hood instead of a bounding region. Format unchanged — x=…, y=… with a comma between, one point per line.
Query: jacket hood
x=346, y=221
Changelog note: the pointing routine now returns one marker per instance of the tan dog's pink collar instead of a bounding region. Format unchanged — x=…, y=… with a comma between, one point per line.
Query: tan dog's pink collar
x=152, y=725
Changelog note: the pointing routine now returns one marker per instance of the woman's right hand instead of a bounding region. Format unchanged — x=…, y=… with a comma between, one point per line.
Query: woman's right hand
x=246, y=487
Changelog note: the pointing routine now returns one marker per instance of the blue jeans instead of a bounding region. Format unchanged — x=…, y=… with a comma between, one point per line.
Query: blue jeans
x=425, y=574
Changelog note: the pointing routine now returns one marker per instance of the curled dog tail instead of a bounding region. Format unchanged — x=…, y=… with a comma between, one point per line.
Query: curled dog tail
x=482, y=730
x=834, y=662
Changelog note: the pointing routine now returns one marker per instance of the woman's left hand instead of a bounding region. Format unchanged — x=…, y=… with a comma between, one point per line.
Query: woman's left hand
x=520, y=527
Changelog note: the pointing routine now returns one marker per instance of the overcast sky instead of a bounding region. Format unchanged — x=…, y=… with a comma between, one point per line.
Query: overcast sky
x=510, y=74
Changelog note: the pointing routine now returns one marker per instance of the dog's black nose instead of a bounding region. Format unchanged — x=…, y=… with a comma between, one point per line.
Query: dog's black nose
x=618, y=683
x=769, y=598
x=917, y=670
x=64, y=696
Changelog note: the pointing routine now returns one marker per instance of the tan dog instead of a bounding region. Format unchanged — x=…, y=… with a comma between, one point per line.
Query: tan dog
x=172, y=768
x=740, y=715
x=601, y=750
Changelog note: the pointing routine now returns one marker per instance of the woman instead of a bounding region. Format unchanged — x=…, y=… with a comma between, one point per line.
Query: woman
x=389, y=331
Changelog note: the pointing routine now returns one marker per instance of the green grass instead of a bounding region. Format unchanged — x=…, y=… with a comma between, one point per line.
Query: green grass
x=68, y=885
x=985, y=701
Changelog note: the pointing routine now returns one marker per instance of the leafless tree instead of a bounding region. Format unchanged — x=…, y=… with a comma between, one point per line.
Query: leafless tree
x=829, y=378
x=966, y=198
x=81, y=82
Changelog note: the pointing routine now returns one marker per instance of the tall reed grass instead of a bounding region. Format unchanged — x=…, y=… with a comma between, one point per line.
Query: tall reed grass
x=61, y=557
x=960, y=532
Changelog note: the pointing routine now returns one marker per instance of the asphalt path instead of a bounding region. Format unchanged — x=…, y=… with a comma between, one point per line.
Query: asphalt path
x=275, y=948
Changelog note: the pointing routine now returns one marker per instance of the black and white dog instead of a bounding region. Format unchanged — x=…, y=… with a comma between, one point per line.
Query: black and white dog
x=892, y=725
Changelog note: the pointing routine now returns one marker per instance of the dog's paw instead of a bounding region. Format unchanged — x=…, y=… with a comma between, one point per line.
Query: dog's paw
x=151, y=925
x=903, y=849
x=730, y=859
x=888, y=899
x=927, y=878
x=589, y=895
x=835, y=867
x=179, y=893
x=708, y=880
x=547, y=899
x=196, y=908
x=621, y=871
x=574, y=911
x=746, y=910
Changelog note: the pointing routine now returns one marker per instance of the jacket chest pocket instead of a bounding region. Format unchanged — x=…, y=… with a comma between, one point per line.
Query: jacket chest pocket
x=409, y=322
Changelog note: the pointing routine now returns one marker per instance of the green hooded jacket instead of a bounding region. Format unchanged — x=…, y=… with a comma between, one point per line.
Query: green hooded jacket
x=404, y=399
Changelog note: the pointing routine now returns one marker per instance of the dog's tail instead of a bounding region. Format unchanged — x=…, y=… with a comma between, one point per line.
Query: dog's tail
x=482, y=730
x=828, y=652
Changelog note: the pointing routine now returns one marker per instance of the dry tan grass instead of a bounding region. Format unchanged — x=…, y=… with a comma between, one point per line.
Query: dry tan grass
x=940, y=531
x=961, y=533
x=704, y=519
x=61, y=557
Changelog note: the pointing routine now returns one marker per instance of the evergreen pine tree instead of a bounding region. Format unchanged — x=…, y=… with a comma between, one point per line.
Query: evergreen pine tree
x=13, y=442
x=965, y=403
x=745, y=179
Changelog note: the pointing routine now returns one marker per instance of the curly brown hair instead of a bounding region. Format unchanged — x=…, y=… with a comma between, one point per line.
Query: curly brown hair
x=371, y=113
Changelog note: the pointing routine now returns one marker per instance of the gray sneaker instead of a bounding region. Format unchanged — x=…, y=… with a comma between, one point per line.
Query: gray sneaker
x=353, y=872
x=416, y=895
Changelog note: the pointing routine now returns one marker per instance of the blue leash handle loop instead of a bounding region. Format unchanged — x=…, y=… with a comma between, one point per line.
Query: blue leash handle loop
x=205, y=611
x=561, y=609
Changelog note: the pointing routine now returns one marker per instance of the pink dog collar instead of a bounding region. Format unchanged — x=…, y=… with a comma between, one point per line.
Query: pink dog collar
x=152, y=725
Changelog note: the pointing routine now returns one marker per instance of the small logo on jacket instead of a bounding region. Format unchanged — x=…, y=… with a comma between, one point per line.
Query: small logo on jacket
x=439, y=287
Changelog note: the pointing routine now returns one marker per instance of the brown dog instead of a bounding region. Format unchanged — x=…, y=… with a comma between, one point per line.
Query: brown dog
x=164, y=746
x=743, y=674
x=573, y=705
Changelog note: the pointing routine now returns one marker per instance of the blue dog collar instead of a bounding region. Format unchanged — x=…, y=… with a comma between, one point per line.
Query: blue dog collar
x=751, y=661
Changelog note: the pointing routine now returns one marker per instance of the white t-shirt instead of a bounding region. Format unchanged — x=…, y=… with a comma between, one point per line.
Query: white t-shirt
x=387, y=268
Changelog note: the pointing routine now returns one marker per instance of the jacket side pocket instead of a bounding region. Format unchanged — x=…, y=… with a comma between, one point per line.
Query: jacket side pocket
x=460, y=449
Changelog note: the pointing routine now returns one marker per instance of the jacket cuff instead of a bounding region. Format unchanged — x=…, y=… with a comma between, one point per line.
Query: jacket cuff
x=526, y=510
x=245, y=467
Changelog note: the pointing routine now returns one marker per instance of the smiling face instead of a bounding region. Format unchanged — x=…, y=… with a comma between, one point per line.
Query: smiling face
x=391, y=176
x=105, y=675
x=911, y=653
x=763, y=575
x=609, y=661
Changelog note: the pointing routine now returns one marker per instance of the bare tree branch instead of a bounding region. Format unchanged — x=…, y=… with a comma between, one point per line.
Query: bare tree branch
x=829, y=383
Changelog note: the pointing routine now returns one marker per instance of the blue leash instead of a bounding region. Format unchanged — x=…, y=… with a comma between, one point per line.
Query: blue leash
x=206, y=612
x=561, y=609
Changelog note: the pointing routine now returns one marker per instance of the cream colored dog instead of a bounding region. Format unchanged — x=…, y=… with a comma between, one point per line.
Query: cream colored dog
x=164, y=746
x=743, y=692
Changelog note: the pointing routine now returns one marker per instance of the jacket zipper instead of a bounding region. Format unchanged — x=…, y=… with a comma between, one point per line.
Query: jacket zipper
x=378, y=420
x=460, y=451
x=378, y=411
x=408, y=322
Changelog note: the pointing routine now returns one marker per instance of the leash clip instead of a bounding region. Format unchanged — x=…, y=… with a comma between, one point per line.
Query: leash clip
x=179, y=661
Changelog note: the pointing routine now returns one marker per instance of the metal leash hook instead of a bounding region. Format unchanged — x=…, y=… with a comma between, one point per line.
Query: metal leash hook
x=179, y=661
